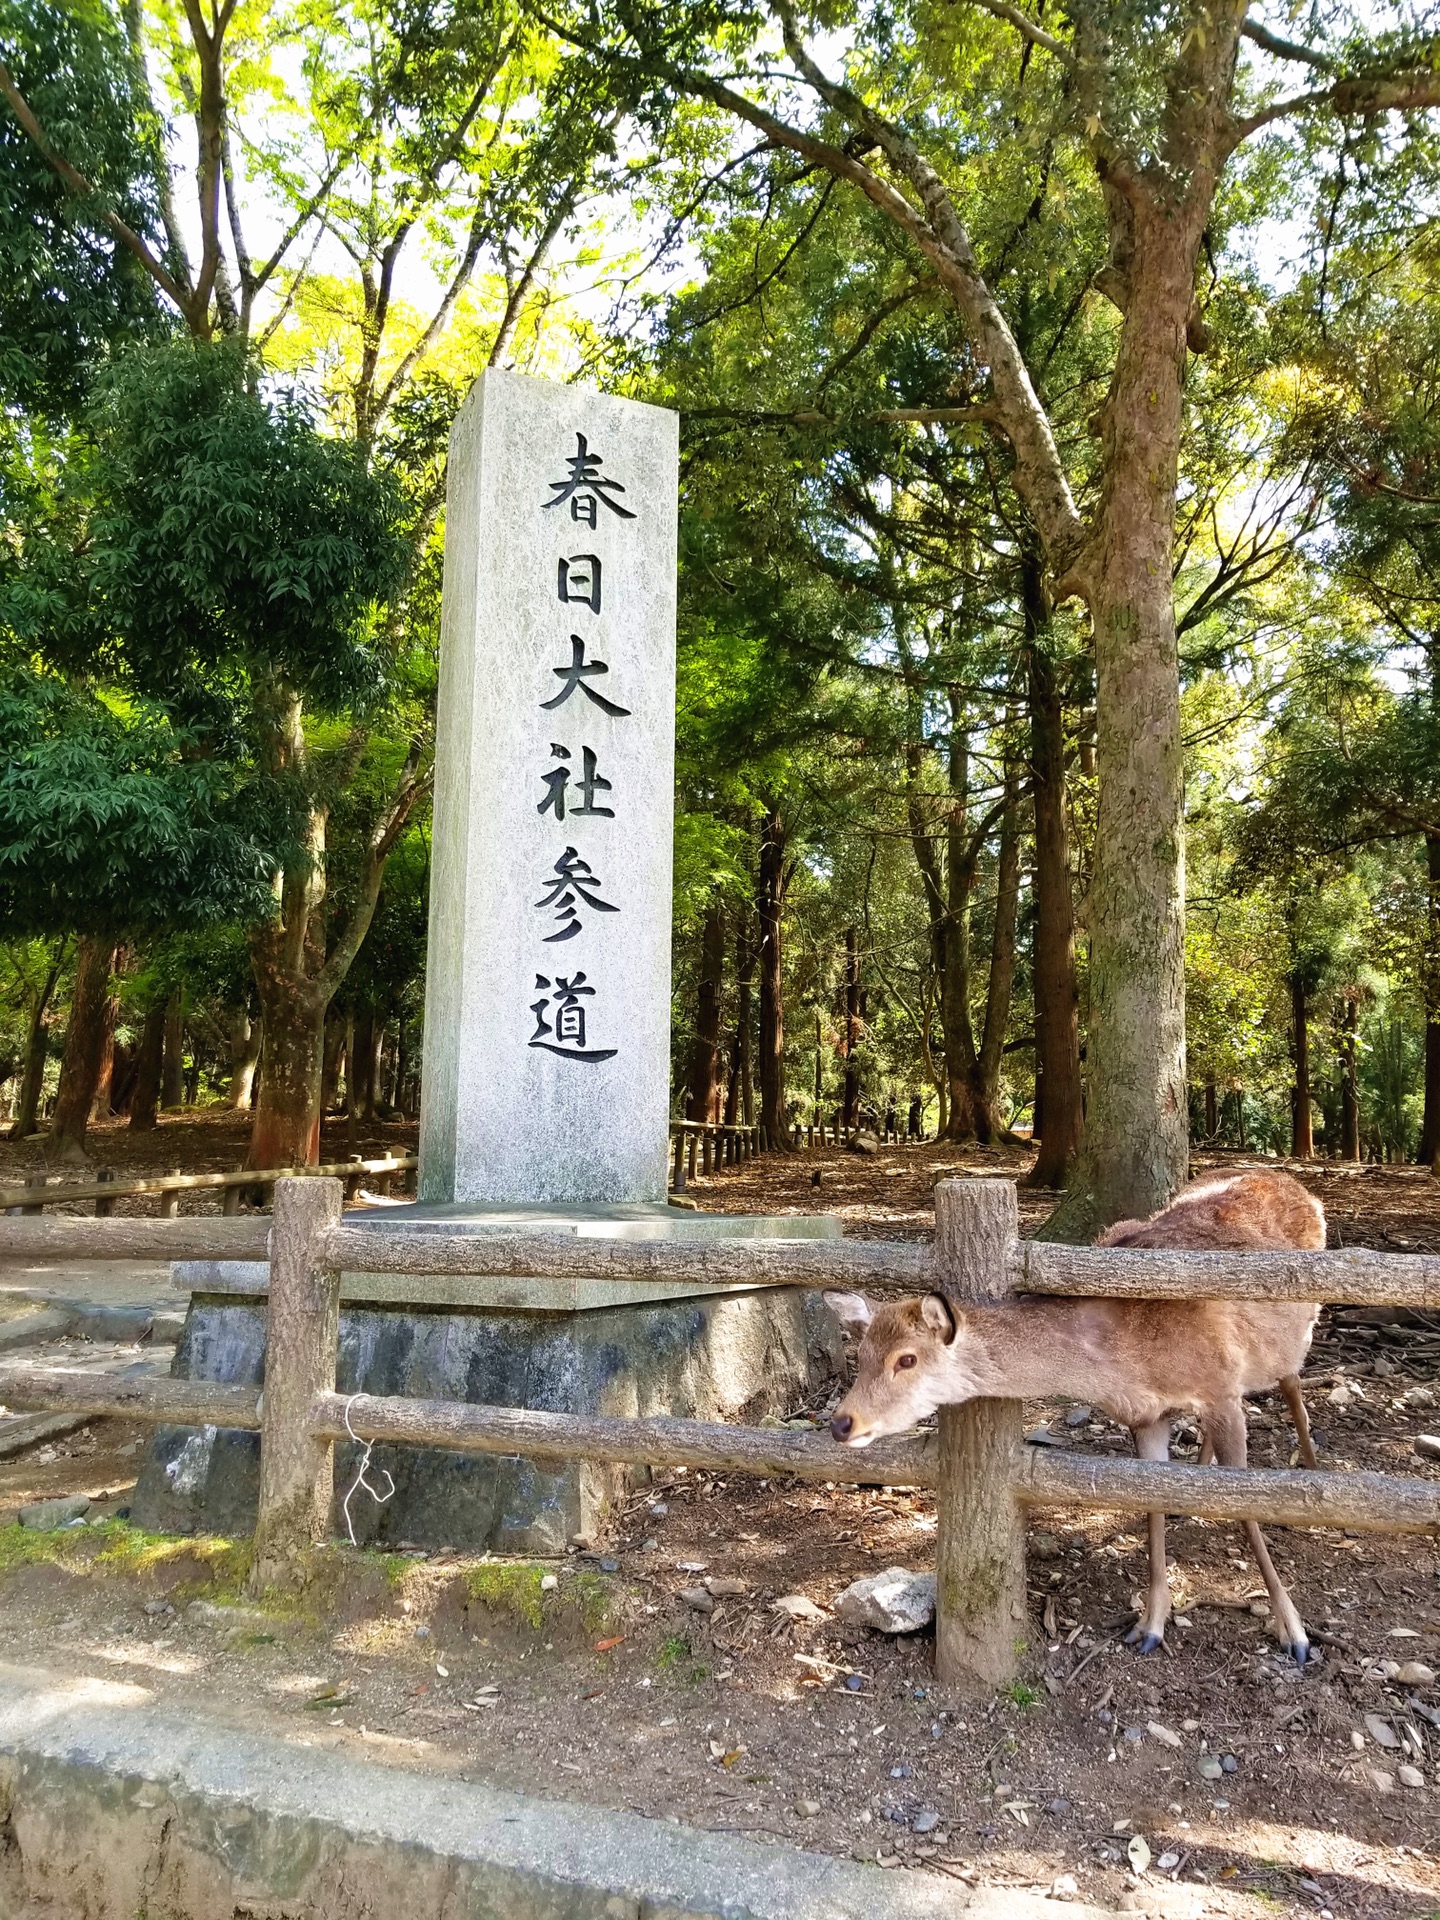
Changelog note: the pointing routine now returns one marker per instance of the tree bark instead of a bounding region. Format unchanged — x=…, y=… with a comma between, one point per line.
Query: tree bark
x=149, y=1063
x=367, y=1038
x=1059, y=1120
x=245, y=1041
x=739, y=1090
x=285, y=1128
x=770, y=911
x=91, y=1026
x=172, y=1084
x=705, y=1052
x=37, y=1052
x=100, y=1103
x=1429, y=1153
x=850, y=1114
x=988, y=1123
x=1302, y=1137
x=1212, y=1110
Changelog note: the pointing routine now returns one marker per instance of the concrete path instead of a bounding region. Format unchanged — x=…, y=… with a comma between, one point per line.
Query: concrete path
x=111, y=1807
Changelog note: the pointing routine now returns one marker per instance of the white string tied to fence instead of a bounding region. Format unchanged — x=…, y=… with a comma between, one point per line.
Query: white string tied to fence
x=360, y=1481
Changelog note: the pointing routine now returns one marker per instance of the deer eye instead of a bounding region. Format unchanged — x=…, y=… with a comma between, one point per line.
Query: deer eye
x=905, y=1359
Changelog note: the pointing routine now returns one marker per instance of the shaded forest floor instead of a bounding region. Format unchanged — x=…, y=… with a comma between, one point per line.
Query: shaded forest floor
x=1253, y=1786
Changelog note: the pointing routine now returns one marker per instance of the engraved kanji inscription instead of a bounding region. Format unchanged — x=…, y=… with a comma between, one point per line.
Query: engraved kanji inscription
x=581, y=790
x=573, y=882
x=579, y=581
x=579, y=673
x=565, y=1034
x=585, y=487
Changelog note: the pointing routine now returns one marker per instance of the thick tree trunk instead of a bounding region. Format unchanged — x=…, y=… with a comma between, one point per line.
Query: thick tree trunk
x=149, y=1062
x=1349, y=1082
x=172, y=1083
x=100, y=1104
x=1059, y=1120
x=770, y=910
x=705, y=1074
x=1212, y=1110
x=369, y=1035
x=285, y=1130
x=37, y=1052
x=245, y=1040
x=91, y=1028
x=334, y=1057
x=1429, y=1153
x=1137, y=1128
x=1302, y=1137
x=850, y=1114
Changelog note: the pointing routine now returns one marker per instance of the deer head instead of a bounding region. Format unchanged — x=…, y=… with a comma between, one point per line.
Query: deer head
x=912, y=1359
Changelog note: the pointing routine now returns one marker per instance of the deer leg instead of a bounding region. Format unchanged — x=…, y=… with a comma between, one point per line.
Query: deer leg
x=1294, y=1399
x=1230, y=1449
x=1152, y=1442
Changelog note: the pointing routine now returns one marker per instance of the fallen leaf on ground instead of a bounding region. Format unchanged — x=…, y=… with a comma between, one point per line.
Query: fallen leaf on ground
x=609, y=1644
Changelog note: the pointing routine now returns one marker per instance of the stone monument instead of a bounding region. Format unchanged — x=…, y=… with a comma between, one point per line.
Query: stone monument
x=546, y=1047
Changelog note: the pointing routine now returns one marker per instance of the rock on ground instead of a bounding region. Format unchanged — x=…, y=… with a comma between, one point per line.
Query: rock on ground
x=895, y=1601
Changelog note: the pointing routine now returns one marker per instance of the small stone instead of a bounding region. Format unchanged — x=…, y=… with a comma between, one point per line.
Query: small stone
x=1357, y=1740
x=1045, y=1546
x=1427, y=1445
x=1066, y=1887
x=1190, y=1726
x=1163, y=1734
x=925, y=1821
x=1210, y=1768
x=853, y=1683
x=1059, y=1807
x=895, y=1601
x=1415, y=1673
x=1381, y=1781
x=157, y=1608
x=807, y=1809
x=699, y=1598
x=609, y=1566
x=660, y=1509
x=46, y=1516
x=549, y=1582
x=1228, y=1763
x=1411, y=1776
x=1135, y=1735
x=1168, y=1862
x=1381, y=1731
x=799, y=1606
x=725, y=1586
x=1043, y=1437
x=652, y=1545
x=1078, y=1416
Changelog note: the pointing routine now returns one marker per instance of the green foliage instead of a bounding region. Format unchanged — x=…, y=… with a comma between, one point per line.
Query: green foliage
x=69, y=290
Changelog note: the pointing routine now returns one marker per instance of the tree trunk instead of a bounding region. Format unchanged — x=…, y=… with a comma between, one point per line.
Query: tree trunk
x=1349, y=1083
x=37, y=1052
x=369, y=1035
x=90, y=1030
x=1302, y=1138
x=988, y=1124
x=1060, y=1123
x=334, y=1058
x=739, y=1090
x=1137, y=1150
x=1212, y=1110
x=172, y=1084
x=850, y=1116
x=245, y=1039
x=770, y=909
x=705, y=1052
x=149, y=1063
x=100, y=1103
x=1430, y=990
x=285, y=1130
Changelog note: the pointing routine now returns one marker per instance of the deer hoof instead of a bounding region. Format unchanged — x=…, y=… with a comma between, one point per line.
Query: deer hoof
x=1300, y=1651
x=1143, y=1641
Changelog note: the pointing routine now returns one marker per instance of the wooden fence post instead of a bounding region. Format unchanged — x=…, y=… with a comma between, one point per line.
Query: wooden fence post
x=104, y=1205
x=677, y=1182
x=302, y=1328
x=980, y=1624
x=168, y=1205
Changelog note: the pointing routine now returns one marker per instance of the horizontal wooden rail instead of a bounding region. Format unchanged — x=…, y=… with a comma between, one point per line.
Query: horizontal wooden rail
x=1350, y=1276
x=712, y=1126
x=129, y=1396
x=1294, y=1497
x=655, y=1441
x=195, y=1237
x=62, y=1195
x=402, y=1248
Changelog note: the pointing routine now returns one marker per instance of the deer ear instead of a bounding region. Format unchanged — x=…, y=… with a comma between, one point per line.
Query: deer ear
x=939, y=1316
x=850, y=1309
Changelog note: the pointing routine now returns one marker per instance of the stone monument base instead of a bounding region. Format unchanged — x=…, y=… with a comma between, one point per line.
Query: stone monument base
x=567, y=1347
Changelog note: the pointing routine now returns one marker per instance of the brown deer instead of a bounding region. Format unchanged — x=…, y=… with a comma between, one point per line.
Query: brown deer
x=1140, y=1360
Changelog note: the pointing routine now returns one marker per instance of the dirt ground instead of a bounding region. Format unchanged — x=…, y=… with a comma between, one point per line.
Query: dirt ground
x=1211, y=1778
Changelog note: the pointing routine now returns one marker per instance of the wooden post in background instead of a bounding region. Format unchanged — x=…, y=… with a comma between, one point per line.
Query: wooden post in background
x=302, y=1329
x=980, y=1624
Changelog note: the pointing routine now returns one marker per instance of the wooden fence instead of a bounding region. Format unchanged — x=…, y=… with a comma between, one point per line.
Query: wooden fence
x=40, y=1192
x=712, y=1147
x=984, y=1474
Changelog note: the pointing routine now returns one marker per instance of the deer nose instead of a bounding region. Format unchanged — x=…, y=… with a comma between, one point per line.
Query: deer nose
x=842, y=1425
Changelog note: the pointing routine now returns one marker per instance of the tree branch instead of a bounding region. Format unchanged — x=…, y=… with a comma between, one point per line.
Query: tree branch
x=888, y=416
x=1397, y=93
x=80, y=186
x=1033, y=32
x=1251, y=29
